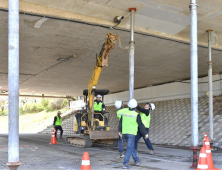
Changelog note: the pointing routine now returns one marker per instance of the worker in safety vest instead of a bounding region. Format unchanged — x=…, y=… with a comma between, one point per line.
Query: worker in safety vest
x=145, y=116
x=99, y=107
x=57, y=124
x=98, y=104
x=119, y=105
x=128, y=127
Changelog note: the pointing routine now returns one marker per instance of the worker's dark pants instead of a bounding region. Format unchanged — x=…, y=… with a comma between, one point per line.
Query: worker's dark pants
x=120, y=145
x=98, y=116
x=147, y=141
x=58, y=128
x=130, y=140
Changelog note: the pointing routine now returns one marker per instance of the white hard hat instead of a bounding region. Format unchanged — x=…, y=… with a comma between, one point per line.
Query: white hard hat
x=132, y=103
x=118, y=104
x=152, y=106
x=98, y=95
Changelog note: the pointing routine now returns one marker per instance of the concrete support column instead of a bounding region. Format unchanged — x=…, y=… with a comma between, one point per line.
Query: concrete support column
x=13, y=84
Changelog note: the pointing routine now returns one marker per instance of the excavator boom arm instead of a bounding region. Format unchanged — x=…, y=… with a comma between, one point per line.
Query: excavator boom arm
x=101, y=61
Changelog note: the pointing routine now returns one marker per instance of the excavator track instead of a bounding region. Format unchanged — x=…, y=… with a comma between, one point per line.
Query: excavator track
x=80, y=141
x=86, y=142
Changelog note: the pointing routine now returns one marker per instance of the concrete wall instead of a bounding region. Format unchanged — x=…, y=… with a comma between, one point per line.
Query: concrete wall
x=176, y=90
x=171, y=121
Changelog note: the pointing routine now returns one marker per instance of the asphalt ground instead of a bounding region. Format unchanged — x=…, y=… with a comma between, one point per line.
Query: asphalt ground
x=36, y=153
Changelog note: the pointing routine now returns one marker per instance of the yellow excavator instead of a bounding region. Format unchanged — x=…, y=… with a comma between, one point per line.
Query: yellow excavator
x=92, y=127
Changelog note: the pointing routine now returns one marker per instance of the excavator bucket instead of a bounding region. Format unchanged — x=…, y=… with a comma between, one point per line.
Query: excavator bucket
x=103, y=135
x=109, y=45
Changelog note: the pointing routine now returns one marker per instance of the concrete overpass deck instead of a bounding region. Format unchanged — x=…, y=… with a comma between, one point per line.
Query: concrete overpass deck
x=162, y=49
x=37, y=153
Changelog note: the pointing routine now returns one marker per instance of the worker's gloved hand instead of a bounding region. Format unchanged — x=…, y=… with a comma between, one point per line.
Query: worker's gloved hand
x=54, y=126
x=146, y=136
x=120, y=135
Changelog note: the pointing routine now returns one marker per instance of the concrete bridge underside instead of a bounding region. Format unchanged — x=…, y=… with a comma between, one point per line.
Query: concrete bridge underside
x=162, y=43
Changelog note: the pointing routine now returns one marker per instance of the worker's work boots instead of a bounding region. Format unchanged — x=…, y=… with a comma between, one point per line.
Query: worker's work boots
x=151, y=152
x=61, y=137
x=121, y=155
x=126, y=166
x=138, y=162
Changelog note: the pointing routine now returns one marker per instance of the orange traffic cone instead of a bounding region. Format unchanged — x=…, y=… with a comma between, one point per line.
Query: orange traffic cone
x=85, y=162
x=53, y=140
x=202, y=164
x=209, y=156
x=205, y=137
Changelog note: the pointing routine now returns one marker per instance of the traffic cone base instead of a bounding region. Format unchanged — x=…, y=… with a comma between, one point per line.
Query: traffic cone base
x=53, y=140
x=202, y=164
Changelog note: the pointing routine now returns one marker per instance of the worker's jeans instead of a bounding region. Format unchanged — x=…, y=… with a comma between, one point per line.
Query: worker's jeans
x=58, y=128
x=147, y=141
x=120, y=144
x=130, y=140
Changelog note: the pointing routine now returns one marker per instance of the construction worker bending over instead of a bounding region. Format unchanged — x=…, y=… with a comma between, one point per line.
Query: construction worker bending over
x=57, y=124
x=128, y=127
x=99, y=107
x=119, y=105
x=145, y=116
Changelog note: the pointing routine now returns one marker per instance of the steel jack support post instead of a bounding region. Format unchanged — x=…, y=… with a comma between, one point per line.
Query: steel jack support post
x=194, y=80
x=131, y=53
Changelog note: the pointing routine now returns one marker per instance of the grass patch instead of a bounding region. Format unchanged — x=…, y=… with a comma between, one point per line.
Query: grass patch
x=31, y=123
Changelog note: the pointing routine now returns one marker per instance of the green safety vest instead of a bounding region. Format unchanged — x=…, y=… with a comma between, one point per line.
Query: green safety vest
x=98, y=107
x=129, y=122
x=120, y=112
x=146, y=119
x=58, y=121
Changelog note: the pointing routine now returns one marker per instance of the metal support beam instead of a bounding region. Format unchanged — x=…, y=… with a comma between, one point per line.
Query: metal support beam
x=131, y=53
x=194, y=72
x=194, y=80
x=210, y=86
x=43, y=96
x=13, y=84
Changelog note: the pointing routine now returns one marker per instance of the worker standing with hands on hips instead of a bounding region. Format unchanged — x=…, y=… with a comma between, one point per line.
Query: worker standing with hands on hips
x=128, y=127
x=145, y=116
x=57, y=124
x=119, y=105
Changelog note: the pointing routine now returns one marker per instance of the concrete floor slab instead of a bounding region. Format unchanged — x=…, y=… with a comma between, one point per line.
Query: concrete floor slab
x=37, y=153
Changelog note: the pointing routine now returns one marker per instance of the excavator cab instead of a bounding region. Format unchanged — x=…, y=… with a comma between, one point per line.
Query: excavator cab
x=98, y=133
x=100, y=119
